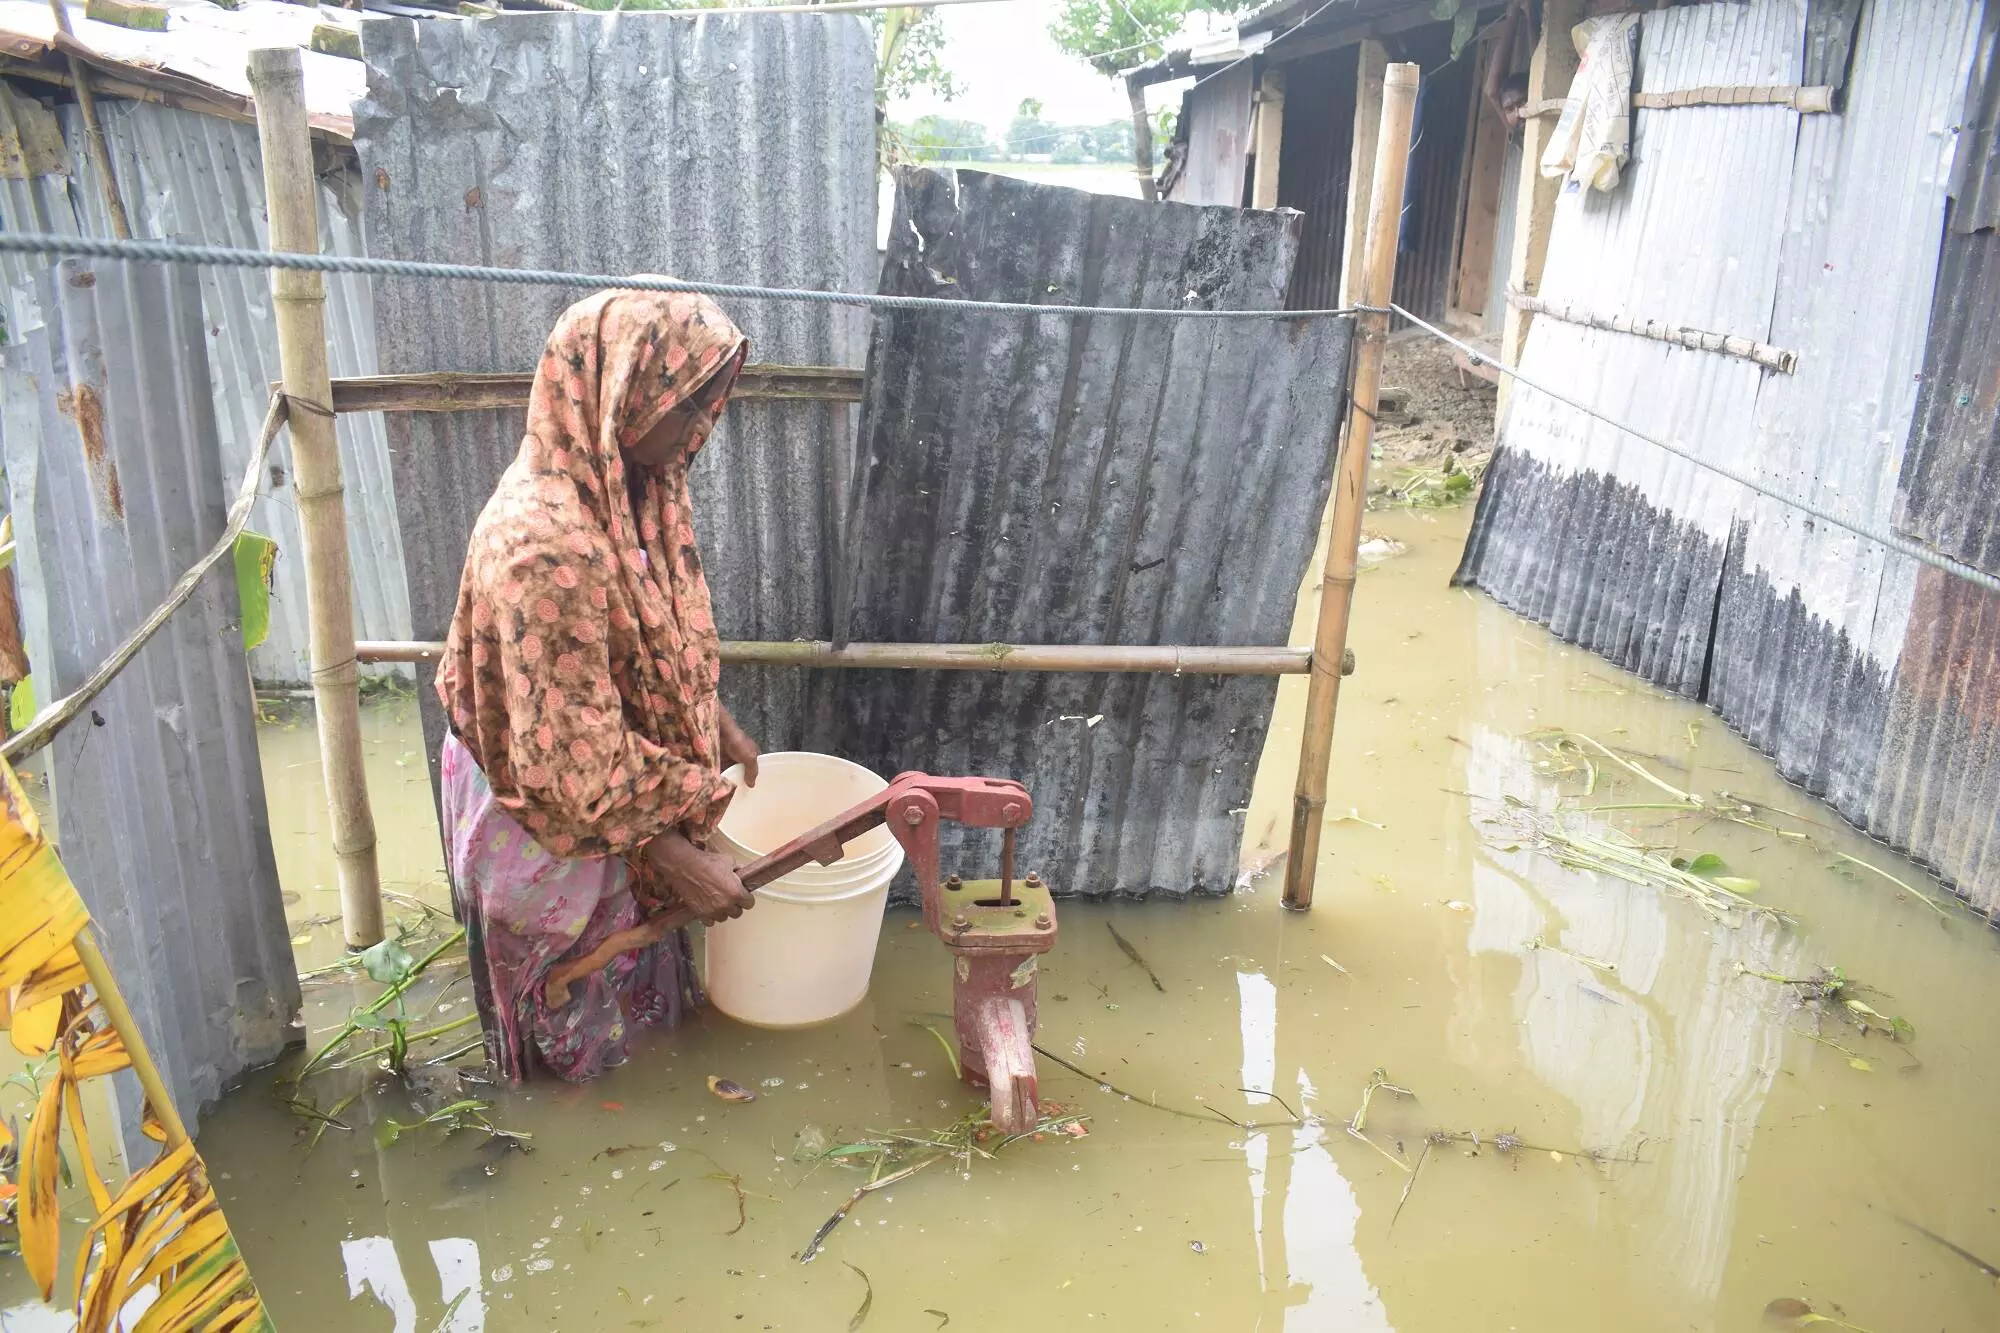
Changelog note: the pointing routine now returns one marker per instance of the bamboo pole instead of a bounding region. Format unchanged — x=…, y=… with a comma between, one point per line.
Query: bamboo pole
x=454, y=391
x=1781, y=359
x=99, y=971
x=1385, y=212
x=291, y=193
x=1165, y=659
x=93, y=128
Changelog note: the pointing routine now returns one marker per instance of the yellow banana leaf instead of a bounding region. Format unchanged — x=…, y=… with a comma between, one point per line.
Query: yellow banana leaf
x=163, y=1225
x=40, y=912
x=102, y=1052
x=59, y=976
x=100, y=1197
x=35, y=1027
x=205, y=1287
x=35, y=1211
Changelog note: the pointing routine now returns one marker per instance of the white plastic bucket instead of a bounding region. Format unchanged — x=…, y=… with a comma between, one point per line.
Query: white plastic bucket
x=804, y=953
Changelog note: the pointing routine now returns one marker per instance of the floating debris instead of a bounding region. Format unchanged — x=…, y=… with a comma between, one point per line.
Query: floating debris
x=968, y=1138
x=1988, y=1269
x=729, y=1090
x=1125, y=947
x=950, y=1052
x=1791, y=1312
x=860, y=1316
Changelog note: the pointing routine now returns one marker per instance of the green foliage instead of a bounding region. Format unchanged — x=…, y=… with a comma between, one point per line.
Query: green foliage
x=255, y=556
x=21, y=705
x=1115, y=35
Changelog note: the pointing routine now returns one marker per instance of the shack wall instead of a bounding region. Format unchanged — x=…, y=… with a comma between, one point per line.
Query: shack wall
x=1819, y=233
x=1111, y=480
x=109, y=439
x=199, y=179
x=736, y=149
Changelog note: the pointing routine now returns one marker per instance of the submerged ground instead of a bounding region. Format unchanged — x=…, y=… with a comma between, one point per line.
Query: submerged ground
x=1684, y=1144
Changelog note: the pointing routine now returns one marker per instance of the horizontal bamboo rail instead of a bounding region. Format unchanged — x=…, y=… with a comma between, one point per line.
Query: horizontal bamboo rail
x=1813, y=99
x=1780, y=359
x=1165, y=658
x=445, y=391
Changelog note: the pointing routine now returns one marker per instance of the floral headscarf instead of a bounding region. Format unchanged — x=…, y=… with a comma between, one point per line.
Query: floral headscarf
x=581, y=666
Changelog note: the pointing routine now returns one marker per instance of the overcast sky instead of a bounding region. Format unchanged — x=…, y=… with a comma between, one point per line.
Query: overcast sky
x=1001, y=53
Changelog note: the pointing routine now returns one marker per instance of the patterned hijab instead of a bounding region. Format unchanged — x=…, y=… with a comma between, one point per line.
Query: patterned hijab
x=581, y=666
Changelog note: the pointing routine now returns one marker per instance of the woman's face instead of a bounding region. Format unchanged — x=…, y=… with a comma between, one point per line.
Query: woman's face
x=686, y=425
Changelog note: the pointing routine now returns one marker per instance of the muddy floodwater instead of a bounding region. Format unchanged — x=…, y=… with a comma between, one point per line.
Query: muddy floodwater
x=1631, y=1133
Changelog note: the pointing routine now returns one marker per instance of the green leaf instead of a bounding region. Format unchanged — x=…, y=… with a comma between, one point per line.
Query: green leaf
x=1463, y=25
x=368, y=1022
x=255, y=556
x=1444, y=9
x=1858, y=1063
x=1735, y=884
x=1706, y=864
x=1458, y=483
x=388, y=962
x=21, y=707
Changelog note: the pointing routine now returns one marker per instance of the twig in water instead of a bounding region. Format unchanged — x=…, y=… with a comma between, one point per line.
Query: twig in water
x=1959, y=1250
x=812, y=1248
x=742, y=1202
x=1125, y=947
x=1415, y=1171
x=1155, y=1103
x=1259, y=1092
x=860, y=1316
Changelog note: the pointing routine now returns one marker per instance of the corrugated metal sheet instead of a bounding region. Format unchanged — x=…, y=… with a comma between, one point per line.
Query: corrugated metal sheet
x=1220, y=113
x=738, y=149
x=1975, y=176
x=196, y=178
x=1570, y=529
x=1102, y=481
x=1940, y=760
x=1855, y=278
x=1792, y=631
x=109, y=440
x=1315, y=158
x=1432, y=206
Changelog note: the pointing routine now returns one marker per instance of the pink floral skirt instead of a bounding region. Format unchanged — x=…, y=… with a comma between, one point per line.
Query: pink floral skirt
x=525, y=911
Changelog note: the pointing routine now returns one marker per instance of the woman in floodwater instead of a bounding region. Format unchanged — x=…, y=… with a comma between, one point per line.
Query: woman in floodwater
x=583, y=769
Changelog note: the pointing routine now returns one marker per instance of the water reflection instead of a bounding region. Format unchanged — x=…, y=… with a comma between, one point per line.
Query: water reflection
x=1663, y=1051
x=1308, y=1261
x=373, y=1269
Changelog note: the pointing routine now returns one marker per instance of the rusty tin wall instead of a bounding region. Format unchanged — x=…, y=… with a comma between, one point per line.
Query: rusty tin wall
x=1795, y=632
x=1939, y=770
x=110, y=447
x=735, y=149
x=1056, y=480
x=1221, y=112
x=195, y=178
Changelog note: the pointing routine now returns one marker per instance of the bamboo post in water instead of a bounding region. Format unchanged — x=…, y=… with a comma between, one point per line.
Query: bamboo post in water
x=291, y=194
x=1350, y=487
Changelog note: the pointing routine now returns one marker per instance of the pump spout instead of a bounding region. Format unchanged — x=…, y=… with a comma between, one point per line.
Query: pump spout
x=994, y=1008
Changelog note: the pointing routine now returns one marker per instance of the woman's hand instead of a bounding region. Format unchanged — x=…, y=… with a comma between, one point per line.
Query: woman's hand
x=737, y=747
x=705, y=882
